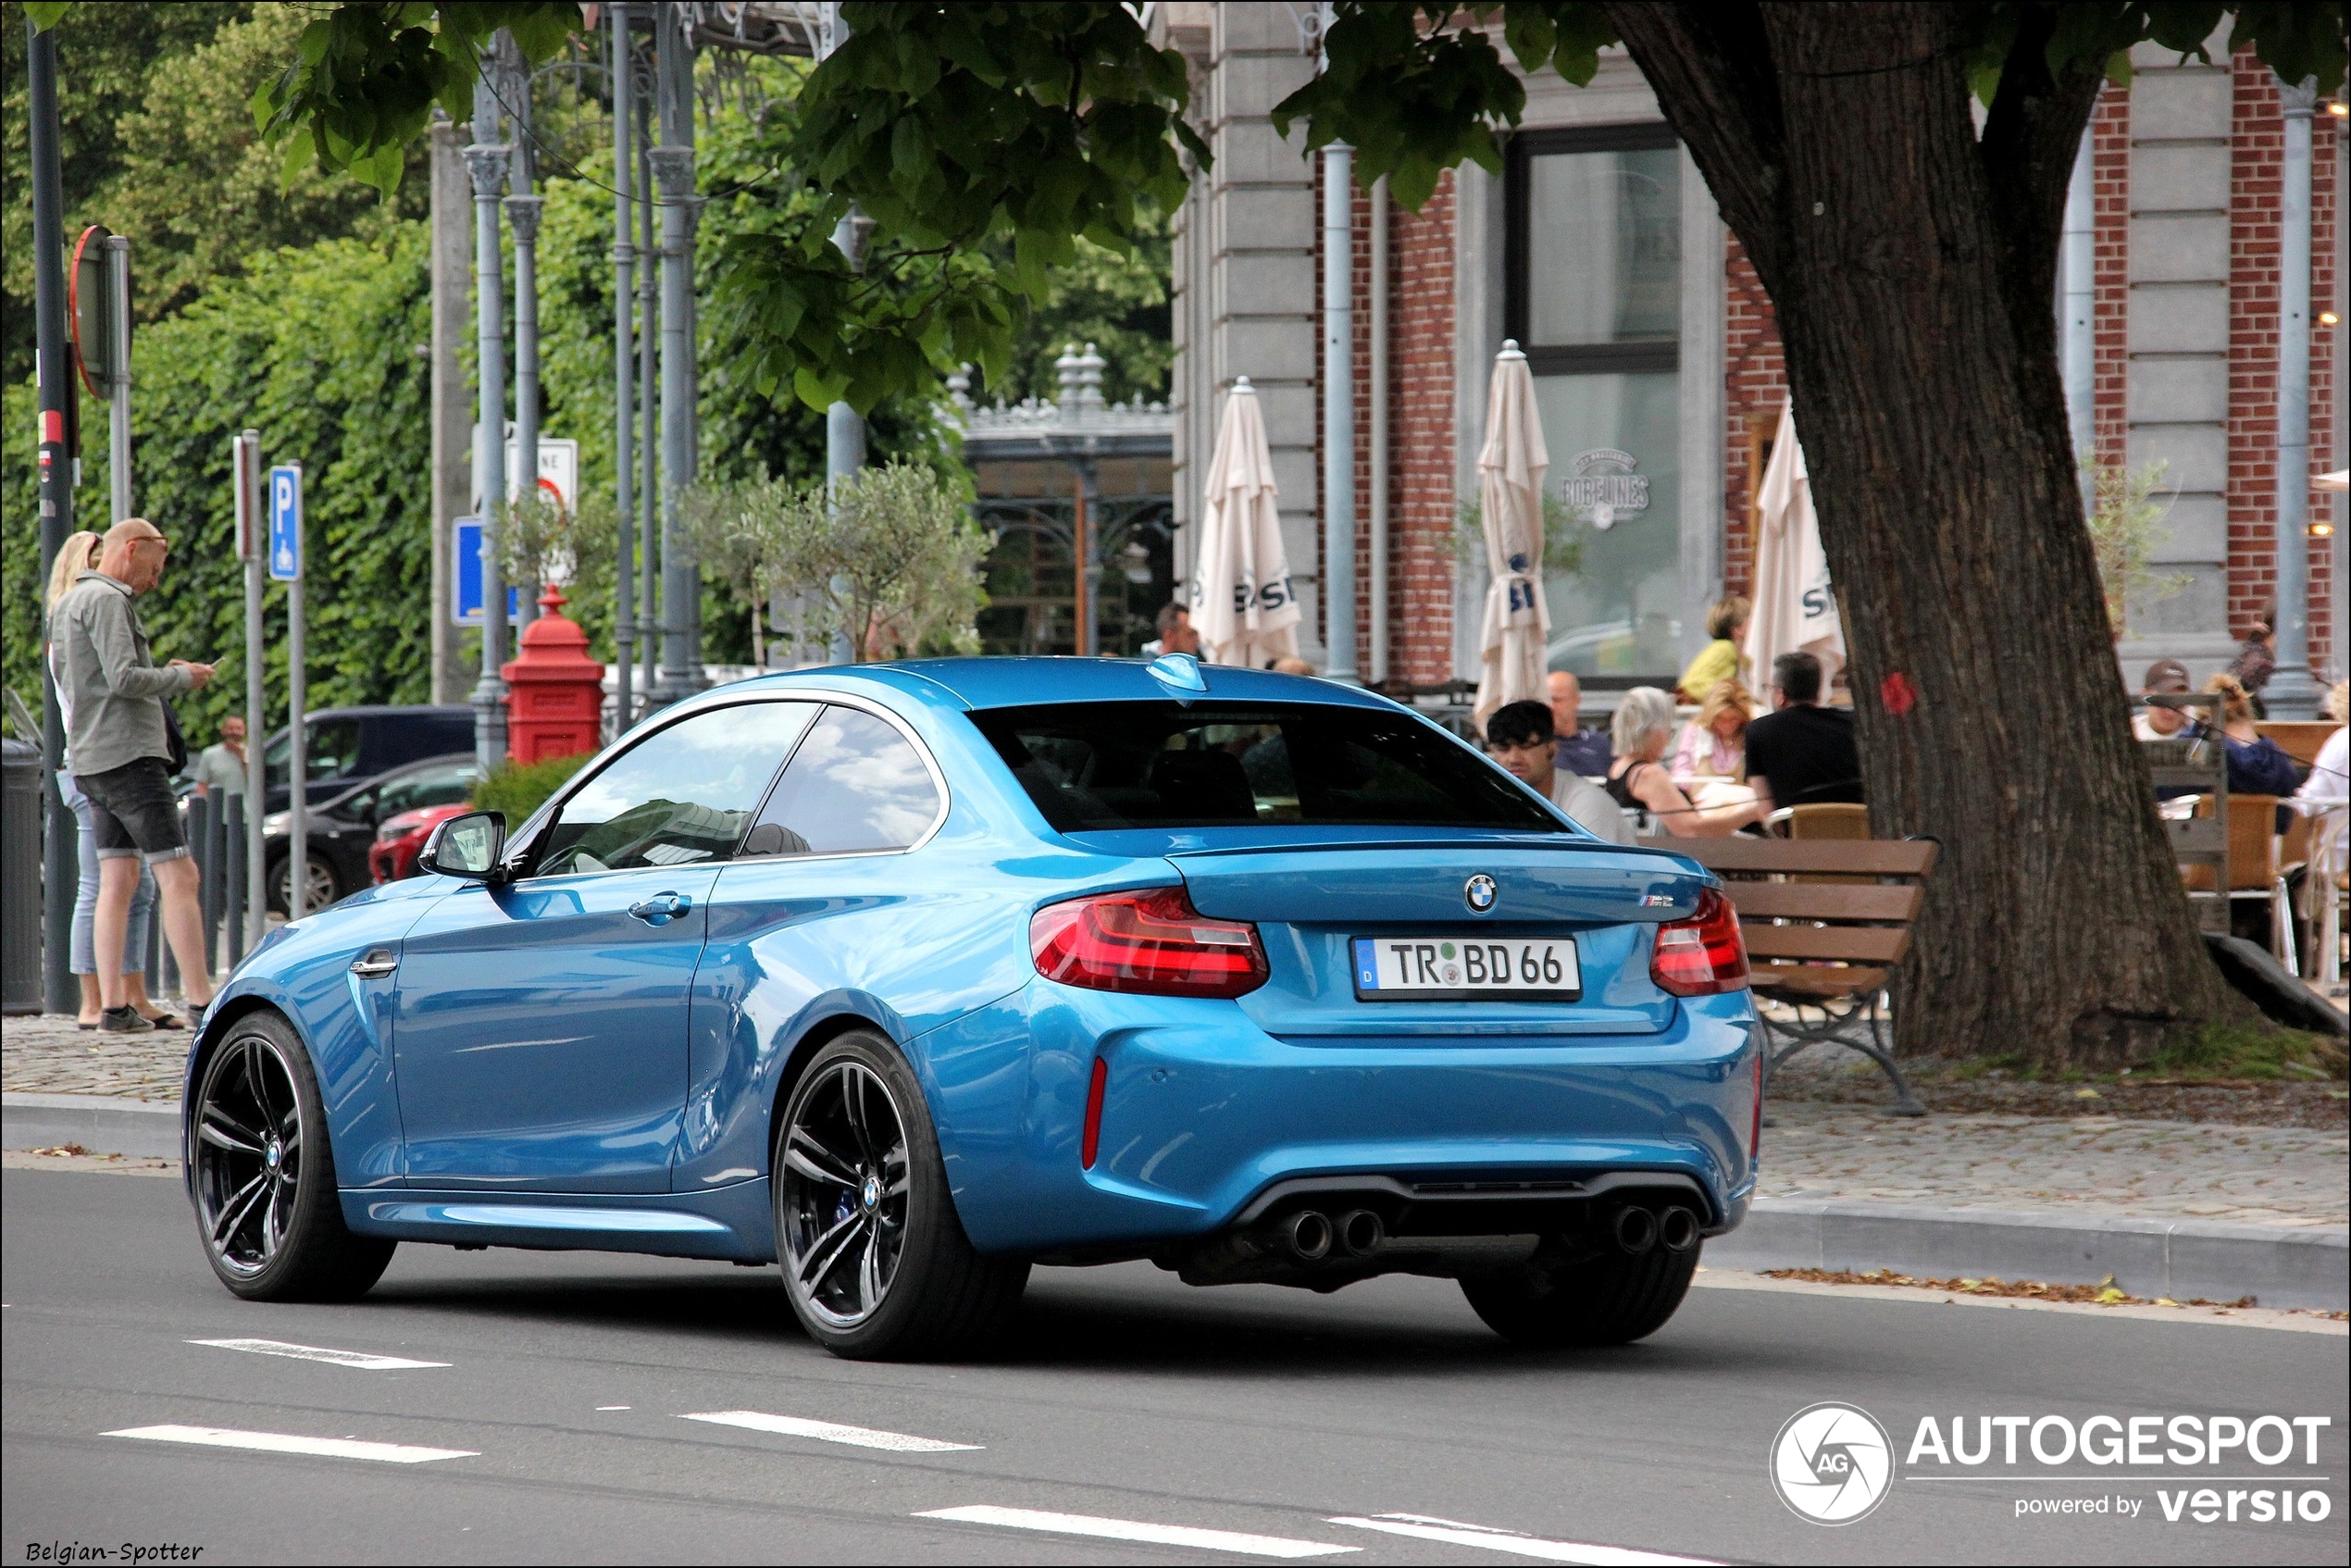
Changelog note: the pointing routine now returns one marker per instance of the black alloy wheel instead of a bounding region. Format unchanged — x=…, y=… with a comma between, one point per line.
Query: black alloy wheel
x=875, y=1259
x=263, y=1177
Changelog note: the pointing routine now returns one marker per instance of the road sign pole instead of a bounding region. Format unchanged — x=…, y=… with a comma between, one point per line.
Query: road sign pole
x=486, y=162
x=59, y=869
x=286, y=564
x=245, y=468
x=119, y=375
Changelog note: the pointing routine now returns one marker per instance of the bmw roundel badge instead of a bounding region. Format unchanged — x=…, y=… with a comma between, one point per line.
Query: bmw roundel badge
x=1479, y=893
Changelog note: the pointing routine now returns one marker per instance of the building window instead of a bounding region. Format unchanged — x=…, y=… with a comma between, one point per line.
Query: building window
x=1593, y=291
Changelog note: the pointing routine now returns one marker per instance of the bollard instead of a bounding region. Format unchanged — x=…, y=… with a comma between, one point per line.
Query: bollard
x=201, y=817
x=20, y=810
x=237, y=882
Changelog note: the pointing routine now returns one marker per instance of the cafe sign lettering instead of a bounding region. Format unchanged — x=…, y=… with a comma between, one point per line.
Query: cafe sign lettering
x=1604, y=487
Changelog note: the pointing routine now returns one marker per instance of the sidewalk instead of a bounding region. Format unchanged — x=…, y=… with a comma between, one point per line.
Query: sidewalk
x=2214, y=1209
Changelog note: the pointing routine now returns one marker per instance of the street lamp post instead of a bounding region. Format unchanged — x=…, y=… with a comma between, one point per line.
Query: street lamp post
x=624, y=269
x=522, y=213
x=486, y=162
x=673, y=163
x=1339, y=413
x=2291, y=693
x=55, y=458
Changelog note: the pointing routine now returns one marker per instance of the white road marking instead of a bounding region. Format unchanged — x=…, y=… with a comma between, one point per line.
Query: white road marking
x=1424, y=1527
x=612, y=1407
x=279, y=1442
x=358, y=1359
x=832, y=1432
x=1136, y=1530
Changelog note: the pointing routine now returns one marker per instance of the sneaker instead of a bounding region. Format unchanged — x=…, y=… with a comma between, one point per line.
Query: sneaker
x=123, y=1020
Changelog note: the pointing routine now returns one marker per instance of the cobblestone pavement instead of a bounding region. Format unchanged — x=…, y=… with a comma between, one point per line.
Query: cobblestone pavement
x=48, y=1055
x=2091, y=1164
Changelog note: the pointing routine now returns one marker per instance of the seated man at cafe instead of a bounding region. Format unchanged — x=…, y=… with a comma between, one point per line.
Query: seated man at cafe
x=1578, y=750
x=1802, y=753
x=2153, y=722
x=1520, y=737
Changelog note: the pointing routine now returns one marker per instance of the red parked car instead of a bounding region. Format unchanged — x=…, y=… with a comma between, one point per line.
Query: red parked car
x=393, y=854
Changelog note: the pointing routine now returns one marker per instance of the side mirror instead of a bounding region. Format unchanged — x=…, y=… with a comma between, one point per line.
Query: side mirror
x=466, y=846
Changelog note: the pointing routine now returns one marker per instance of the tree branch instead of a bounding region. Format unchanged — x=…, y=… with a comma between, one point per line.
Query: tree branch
x=2030, y=134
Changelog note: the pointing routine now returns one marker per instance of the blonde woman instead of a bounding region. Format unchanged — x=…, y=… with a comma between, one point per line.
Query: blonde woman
x=77, y=555
x=1713, y=746
x=1644, y=724
x=2255, y=765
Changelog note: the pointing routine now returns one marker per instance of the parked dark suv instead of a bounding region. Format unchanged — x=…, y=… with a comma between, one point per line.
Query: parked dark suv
x=350, y=746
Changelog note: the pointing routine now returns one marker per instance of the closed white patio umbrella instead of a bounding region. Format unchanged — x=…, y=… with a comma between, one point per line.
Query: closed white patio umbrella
x=1239, y=594
x=1516, y=629
x=1795, y=609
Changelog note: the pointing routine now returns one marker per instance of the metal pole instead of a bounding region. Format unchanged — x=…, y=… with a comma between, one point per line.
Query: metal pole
x=2291, y=693
x=522, y=215
x=60, y=856
x=486, y=161
x=118, y=377
x=297, y=721
x=1338, y=412
x=649, y=414
x=844, y=427
x=452, y=460
x=1378, y=551
x=673, y=163
x=252, y=911
x=243, y=905
x=2077, y=334
x=624, y=352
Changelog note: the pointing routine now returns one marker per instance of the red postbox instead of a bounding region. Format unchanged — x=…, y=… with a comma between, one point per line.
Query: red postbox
x=555, y=692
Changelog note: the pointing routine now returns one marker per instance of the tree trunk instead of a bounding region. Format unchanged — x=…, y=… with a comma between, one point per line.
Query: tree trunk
x=1913, y=266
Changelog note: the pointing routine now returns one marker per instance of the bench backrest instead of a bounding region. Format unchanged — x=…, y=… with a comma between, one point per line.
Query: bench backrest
x=1863, y=918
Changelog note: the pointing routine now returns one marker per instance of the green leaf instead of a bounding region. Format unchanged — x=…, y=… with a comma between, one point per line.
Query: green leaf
x=46, y=14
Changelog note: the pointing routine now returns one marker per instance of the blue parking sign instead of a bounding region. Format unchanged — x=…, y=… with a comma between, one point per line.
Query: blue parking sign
x=466, y=581
x=285, y=522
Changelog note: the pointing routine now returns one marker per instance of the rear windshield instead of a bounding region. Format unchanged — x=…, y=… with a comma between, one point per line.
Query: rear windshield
x=1094, y=766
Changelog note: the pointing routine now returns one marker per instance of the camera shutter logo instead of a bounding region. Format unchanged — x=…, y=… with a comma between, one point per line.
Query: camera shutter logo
x=1832, y=1463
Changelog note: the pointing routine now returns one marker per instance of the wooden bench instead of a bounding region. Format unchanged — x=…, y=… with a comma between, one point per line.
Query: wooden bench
x=1826, y=921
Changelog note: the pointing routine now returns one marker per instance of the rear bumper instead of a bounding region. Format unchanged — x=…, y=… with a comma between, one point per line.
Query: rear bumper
x=1204, y=1114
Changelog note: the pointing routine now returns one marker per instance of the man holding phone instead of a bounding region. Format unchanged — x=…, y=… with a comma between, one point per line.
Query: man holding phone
x=121, y=744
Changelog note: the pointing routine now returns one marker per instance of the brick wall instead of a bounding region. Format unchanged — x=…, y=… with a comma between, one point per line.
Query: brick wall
x=1754, y=389
x=2256, y=155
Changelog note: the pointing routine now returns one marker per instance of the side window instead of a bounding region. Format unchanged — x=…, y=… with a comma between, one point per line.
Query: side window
x=334, y=747
x=855, y=784
x=682, y=795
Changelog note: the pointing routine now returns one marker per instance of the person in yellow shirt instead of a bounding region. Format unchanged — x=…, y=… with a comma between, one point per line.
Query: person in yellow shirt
x=1719, y=660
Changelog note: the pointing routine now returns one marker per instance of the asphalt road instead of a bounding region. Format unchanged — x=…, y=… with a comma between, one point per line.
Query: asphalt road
x=1364, y=1421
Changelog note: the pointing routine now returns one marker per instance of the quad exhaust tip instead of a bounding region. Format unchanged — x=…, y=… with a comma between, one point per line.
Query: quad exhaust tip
x=1308, y=1235
x=1360, y=1231
x=1678, y=1228
x=1636, y=1229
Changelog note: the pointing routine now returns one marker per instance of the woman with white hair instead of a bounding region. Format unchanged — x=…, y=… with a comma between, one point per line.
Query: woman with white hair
x=1643, y=728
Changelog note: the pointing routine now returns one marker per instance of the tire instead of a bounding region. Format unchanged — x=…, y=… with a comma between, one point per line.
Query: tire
x=875, y=1260
x=325, y=887
x=264, y=1180
x=1612, y=1299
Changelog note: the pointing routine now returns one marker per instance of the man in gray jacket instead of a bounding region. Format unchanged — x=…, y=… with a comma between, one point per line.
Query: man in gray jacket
x=120, y=749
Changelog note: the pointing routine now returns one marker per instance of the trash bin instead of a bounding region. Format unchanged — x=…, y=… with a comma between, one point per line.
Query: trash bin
x=20, y=878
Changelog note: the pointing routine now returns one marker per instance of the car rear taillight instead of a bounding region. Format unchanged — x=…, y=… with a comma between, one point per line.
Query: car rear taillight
x=1151, y=942
x=1703, y=954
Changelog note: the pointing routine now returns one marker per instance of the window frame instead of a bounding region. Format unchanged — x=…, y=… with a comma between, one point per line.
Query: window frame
x=523, y=848
x=1556, y=359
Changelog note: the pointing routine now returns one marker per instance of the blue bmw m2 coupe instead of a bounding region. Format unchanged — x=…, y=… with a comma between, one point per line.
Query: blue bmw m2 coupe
x=912, y=976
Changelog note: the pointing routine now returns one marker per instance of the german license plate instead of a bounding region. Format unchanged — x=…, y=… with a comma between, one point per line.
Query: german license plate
x=1455, y=969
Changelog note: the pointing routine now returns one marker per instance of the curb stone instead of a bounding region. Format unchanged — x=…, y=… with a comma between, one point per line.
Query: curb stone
x=2278, y=1265
x=101, y=1123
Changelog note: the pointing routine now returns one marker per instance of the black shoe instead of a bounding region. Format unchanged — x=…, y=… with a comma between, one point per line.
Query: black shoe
x=123, y=1020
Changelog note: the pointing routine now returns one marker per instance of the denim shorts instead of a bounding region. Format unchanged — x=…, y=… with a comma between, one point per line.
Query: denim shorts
x=133, y=810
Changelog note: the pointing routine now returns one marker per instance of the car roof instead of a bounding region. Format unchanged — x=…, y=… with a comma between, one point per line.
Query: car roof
x=403, y=710
x=1019, y=681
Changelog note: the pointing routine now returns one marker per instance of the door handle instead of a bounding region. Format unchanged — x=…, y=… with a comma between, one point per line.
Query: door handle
x=375, y=964
x=662, y=908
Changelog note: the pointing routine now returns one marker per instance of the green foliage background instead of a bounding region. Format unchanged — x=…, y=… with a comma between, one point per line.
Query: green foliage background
x=301, y=309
